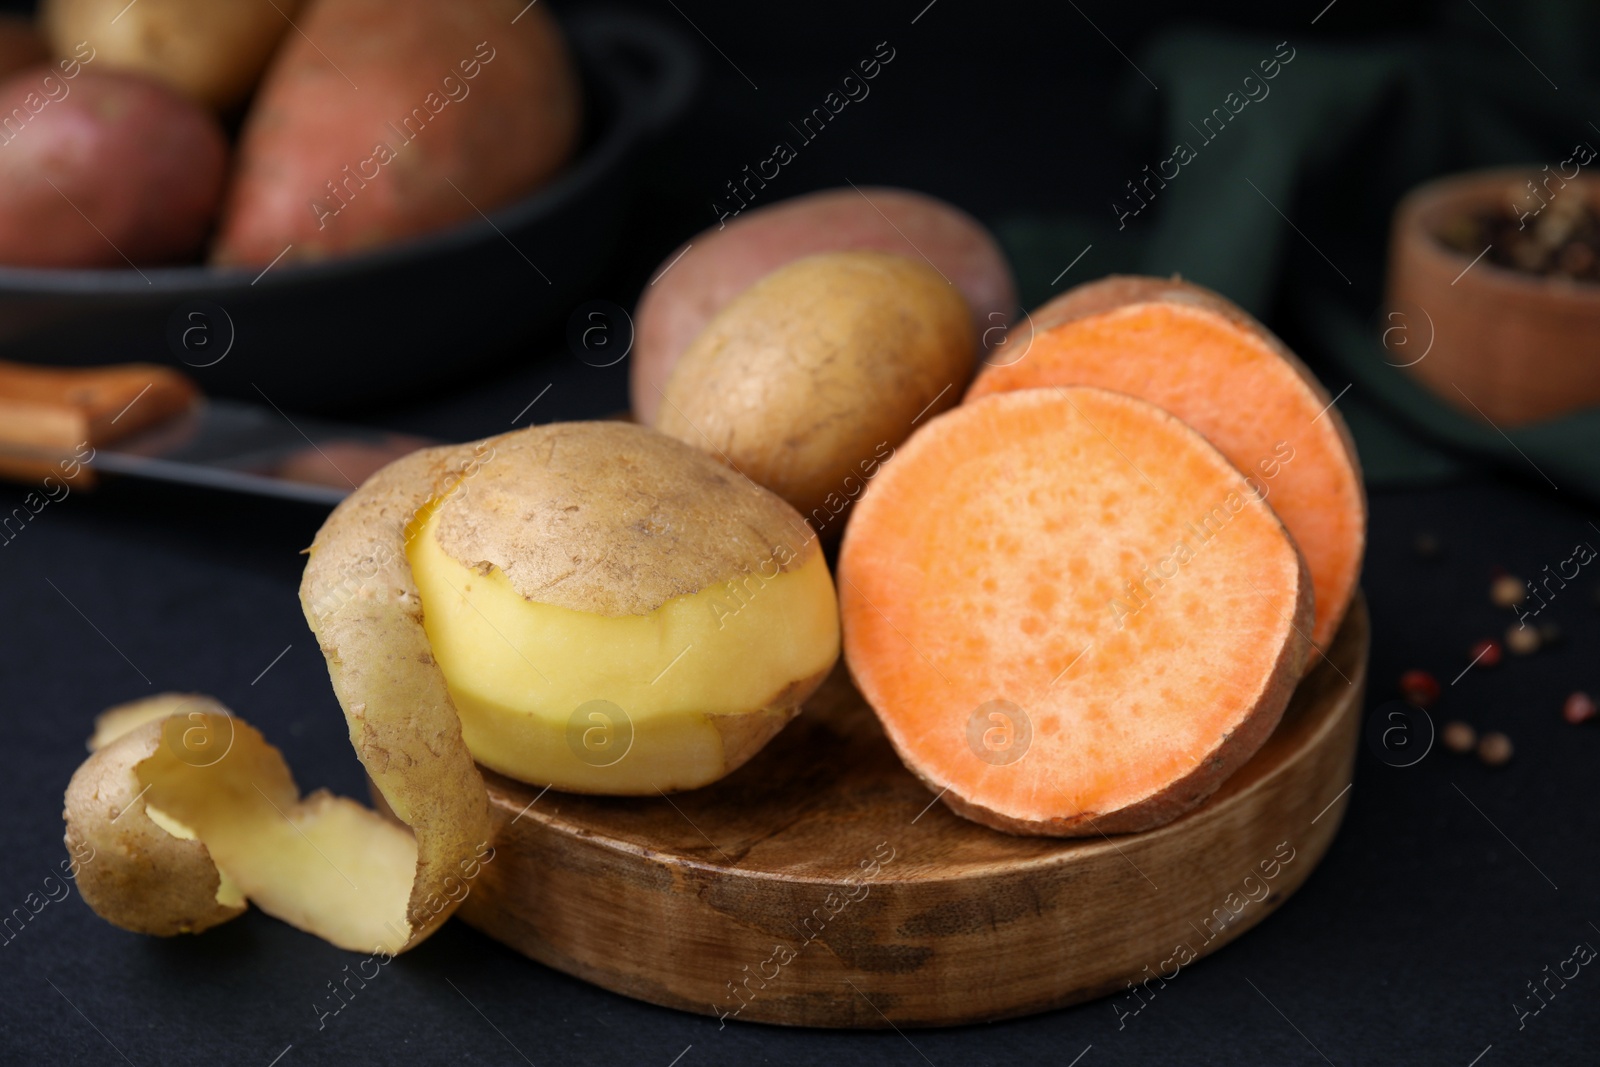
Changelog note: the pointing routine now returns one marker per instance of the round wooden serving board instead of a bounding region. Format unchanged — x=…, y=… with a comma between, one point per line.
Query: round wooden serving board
x=821, y=885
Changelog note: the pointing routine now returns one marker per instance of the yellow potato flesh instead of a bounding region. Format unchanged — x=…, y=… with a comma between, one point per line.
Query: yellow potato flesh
x=524, y=675
x=324, y=864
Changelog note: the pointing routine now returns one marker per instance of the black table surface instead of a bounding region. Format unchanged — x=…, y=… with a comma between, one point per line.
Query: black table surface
x=1450, y=887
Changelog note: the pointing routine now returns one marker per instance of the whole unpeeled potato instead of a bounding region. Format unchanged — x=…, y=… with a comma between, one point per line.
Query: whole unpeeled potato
x=104, y=170
x=719, y=263
x=808, y=380
x=20, y=45
x=211, y=50
x=389, y=118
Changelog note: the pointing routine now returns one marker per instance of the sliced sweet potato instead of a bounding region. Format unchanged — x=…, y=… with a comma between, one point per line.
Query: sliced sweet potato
x=1070, y=612
x=1190, y=351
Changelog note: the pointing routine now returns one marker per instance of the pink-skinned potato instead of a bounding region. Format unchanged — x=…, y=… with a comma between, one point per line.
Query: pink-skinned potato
x=104, y=170
x=21, y=45
x=727, y=259
x=404, y=117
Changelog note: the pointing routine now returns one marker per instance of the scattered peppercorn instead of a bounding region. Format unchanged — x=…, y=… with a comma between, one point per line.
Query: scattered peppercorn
x=1426, y=546
x=1458, y=737
x=1485, y=653
x=1507, y=591
x=1560, y=242
x=1495, y=749
x=1578, y=708
x=1419, y=688
x=1522, y=640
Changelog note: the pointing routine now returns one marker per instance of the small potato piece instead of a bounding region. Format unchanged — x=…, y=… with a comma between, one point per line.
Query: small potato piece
x=104, y=170
x=212, y=51
x=810, y=378
x=386, y=119
x=727, y=259
x=20, y=45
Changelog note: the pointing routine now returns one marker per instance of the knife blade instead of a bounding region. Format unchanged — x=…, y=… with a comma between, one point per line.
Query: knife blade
x=150, y=421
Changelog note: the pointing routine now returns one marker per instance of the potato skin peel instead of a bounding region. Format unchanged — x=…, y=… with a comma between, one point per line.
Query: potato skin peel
x=403, y=725
x=141, y=878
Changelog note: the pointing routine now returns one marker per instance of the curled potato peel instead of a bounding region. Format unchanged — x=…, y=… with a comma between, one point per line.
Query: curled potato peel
x=189, y=814
x=225, y=809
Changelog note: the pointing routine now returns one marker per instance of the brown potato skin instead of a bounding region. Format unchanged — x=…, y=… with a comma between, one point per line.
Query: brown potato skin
x=211, y=51
x=614, y=519
x=20, y=45
x=363, y=606
x=376, y=63
x=727, y=259
x=808, y=379
x=137, y=171
x=131, y=871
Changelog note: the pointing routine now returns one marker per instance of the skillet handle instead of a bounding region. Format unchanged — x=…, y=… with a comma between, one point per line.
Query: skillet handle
x=654, y=67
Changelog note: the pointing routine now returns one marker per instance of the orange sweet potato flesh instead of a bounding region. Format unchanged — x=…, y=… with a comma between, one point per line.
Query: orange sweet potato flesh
x=1202, y=358
x=1098, y=568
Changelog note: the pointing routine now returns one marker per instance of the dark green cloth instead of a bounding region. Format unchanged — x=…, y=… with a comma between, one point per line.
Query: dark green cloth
x=1285, y=206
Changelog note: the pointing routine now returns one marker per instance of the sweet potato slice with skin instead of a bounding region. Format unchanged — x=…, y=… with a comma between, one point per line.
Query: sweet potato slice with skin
x=1090, y=570
x=1188, y=350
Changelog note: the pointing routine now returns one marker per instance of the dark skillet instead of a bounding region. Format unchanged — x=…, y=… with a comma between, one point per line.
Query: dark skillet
x=383, y=323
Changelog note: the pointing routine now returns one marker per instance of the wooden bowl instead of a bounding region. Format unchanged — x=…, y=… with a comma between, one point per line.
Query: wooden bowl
x=823, y=885
x=1513, y=347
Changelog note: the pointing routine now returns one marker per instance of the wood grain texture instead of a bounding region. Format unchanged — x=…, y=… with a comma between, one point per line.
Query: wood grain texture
x=53, y=410
x=821, y=885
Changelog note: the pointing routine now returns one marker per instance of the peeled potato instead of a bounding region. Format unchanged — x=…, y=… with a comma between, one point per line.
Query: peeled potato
x=808, y=380
x=211, y=50
x=698, y=280
x=605, y=609
x=591, y=606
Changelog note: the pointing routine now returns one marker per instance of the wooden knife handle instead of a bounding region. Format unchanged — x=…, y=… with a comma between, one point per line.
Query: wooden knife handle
x=55, y=411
